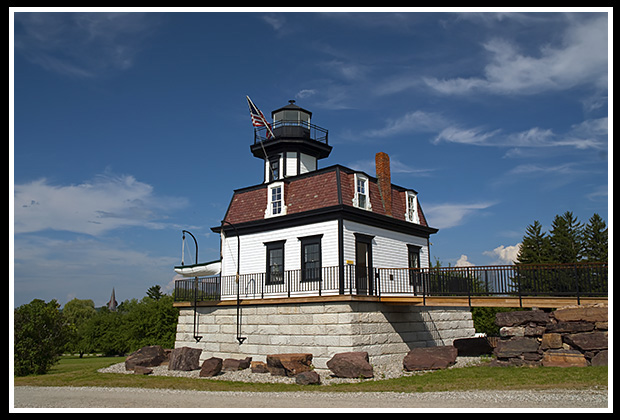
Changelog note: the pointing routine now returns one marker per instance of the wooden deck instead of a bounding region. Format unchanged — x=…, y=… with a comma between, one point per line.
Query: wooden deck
x=455, y=301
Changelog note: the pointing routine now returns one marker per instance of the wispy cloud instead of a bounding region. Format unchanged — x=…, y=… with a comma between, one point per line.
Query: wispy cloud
x=81, y=44
x=415, y=121
x=447, y=215
x=396, y=167
x=93, y=207
x=580, y=59
x=589, y=134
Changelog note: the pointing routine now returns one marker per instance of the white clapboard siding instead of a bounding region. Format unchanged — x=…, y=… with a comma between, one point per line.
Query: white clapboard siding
x=253, y=250
x=389, y=248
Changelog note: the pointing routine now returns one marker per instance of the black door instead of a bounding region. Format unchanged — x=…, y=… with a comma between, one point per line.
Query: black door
x=363, y=264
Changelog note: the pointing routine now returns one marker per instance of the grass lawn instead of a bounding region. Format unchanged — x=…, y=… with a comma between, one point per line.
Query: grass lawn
x=73, y=371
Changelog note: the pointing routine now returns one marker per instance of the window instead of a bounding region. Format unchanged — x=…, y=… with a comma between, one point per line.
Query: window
x=275, y=200
x=275, y=263
x=274, y=168
x=311, y=258
x=412, y=208
x=362, y=197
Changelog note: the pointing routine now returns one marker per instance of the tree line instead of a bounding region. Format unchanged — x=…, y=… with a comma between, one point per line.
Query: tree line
x=568, y=241
x=42, y=331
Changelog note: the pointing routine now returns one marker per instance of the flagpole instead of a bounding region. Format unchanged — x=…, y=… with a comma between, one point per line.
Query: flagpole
x=262, y=117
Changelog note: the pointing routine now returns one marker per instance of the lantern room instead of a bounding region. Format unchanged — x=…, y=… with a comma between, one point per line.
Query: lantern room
x=296, y=144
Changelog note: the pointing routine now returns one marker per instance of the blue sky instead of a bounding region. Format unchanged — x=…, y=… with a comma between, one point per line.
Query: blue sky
x=129, y=127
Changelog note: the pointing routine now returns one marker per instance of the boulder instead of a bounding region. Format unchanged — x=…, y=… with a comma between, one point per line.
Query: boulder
x=515, y=346
x=211, y=367
x=308, y=378
x=581, y=313
x=289, y=364
x=430, y=358
x=350, y=365
x=146, y=356
x=569, y=327
x=511, y=319
x=142, y=370
x=472, y=346
x=551, y=341
x=600, y=359
x=236, y=364
x=587, y=341
x=259, y=367
x=184, y=358
x=563, y=358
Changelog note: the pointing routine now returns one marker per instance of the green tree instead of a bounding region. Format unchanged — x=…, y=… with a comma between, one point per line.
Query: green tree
x=40, y=334
x=77, y=314
x=535, y=246
x=154, y=292
x=566, y=238
x=595, y=239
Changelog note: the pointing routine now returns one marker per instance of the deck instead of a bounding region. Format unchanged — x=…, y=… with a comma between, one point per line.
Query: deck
x=542, y=286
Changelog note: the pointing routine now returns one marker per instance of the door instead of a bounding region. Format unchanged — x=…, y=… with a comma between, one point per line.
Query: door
x=363, y=264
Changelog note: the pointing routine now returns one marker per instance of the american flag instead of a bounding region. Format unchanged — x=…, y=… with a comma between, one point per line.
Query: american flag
x=258, y=119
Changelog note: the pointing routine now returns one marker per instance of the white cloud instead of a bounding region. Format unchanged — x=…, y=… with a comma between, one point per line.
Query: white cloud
x=589, y=134
x=580, y=59
x=463, y=262
x=504, y=254
x=85, y=267
x=93, y=207
x=449, y=215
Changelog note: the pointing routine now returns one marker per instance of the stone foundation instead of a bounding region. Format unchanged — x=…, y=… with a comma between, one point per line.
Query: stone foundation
x=569, y=336
x=386, y=332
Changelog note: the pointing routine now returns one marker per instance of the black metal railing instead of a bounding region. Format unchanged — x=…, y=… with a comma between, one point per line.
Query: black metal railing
x=292, y=129
x=558, y=280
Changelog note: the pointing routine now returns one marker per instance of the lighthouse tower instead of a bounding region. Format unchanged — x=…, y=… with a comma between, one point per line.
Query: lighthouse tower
x=297, y=146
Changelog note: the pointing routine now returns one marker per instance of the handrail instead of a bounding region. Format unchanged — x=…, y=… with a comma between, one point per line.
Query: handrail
x=292, y=129
x=553, y=280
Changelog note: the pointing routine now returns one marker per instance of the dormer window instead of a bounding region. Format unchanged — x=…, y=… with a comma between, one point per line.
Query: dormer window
x=412, y=208
x=362, y=197
x=275, y=200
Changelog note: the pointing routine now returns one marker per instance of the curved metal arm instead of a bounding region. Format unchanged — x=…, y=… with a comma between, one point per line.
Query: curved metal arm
x=195, y=242
x=196, y=336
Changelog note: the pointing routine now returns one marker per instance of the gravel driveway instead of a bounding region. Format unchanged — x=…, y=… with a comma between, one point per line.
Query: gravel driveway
x=92, y=397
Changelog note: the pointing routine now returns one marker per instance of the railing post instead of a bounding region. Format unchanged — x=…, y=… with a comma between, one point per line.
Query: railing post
x=577, y=284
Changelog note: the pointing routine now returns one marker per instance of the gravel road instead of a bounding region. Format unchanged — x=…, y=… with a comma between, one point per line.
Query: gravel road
x=92, y=397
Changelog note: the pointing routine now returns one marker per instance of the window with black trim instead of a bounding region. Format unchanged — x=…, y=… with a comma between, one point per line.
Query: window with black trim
x=311, y=258
x=275, y=263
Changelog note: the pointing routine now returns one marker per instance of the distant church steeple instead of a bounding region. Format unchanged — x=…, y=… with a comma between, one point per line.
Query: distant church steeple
x=112, y=303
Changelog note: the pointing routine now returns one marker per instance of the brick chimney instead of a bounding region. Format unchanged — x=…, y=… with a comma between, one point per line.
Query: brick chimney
x=384, y=179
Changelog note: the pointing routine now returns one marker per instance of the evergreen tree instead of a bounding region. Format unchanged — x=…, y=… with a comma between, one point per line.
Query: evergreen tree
x=566, y=239
x=595, y=239
x=535, y=247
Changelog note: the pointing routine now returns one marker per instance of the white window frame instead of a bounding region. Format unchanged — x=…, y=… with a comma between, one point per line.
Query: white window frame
x=269, y=211
x=356, y=197
x=411, y=215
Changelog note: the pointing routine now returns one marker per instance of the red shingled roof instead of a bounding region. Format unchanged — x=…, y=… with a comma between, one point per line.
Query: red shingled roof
x=312, y=191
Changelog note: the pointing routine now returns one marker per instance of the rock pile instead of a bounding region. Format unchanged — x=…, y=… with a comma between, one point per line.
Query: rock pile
x=570, y=336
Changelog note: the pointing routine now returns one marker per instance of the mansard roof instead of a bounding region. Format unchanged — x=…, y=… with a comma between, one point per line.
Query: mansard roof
x=315, y=192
